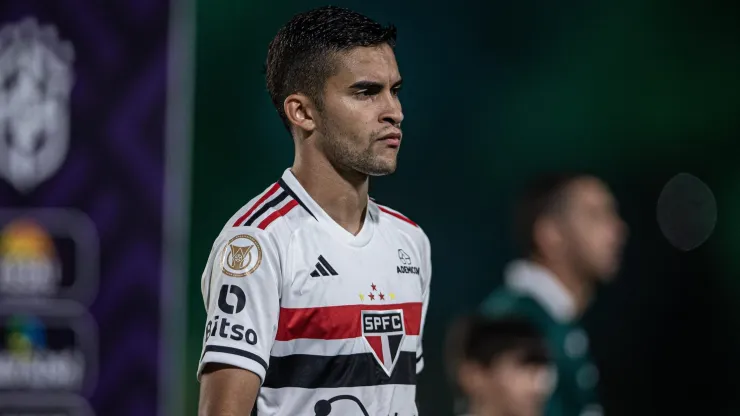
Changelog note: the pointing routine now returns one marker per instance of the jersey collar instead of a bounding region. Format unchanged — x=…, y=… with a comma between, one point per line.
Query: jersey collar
x=532, y=279
x=359, y=240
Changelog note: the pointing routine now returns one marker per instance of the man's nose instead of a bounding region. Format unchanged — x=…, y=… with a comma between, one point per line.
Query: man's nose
x=392, y=112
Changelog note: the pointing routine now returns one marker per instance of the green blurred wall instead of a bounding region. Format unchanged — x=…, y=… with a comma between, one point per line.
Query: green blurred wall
x=635, y=91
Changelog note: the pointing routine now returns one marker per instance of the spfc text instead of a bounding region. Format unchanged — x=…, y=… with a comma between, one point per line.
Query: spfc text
x=382, y=323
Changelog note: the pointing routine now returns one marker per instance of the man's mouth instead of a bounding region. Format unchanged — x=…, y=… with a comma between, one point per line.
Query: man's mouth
x=392, y=139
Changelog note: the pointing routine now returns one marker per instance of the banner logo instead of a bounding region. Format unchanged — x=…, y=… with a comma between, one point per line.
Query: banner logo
x=35, y=83
x=40, y=355
x=29, y=265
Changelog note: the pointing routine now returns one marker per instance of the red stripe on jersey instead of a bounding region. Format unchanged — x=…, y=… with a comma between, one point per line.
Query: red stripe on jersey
x=397, y=215
x=277, y=214
x=376, y=343
x=339, y=322
x=259, y=202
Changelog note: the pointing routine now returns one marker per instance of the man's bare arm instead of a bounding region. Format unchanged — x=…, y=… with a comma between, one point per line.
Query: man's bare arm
x=227, y=391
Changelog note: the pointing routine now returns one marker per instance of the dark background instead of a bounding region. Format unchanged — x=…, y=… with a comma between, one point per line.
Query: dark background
x=634, y=91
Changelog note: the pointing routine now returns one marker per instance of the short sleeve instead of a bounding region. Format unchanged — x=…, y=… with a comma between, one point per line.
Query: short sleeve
x=426, y=285
x=241, y=291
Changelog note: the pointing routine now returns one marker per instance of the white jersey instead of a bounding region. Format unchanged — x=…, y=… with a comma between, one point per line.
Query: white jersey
x=331, y=322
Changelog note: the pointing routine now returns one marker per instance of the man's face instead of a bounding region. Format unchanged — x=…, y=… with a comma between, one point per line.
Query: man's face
x=360, y=118
x=594, y=231
x=513, y=388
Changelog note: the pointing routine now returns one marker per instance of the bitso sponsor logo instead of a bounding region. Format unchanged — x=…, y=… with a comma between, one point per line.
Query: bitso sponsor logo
x=223, y=328
x=231, y=300
x=223, y=299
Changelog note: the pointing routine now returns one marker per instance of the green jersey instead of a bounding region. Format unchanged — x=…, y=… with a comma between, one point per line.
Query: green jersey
x=533, y=293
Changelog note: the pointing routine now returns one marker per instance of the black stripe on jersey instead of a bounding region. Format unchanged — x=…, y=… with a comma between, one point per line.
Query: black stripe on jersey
x=235, y=351
x=327, y=265
x=270, y=204
x=357, y=370
x=290, y=192
x=419, y=358
x=321, y=269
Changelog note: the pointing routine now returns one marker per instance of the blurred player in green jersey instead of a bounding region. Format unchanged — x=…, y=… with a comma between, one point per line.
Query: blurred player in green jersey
x=572, y=237
x=500, y=366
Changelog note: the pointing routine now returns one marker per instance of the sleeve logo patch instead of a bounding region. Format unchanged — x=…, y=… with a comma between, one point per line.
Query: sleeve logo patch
x=242, y=256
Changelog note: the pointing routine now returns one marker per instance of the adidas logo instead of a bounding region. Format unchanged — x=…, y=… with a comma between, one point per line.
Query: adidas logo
x=323, y=268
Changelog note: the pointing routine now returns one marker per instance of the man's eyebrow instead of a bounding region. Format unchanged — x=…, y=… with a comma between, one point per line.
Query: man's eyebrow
x=364, y=85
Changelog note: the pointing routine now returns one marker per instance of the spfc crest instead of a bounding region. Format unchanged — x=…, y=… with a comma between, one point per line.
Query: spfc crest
x=384, y=332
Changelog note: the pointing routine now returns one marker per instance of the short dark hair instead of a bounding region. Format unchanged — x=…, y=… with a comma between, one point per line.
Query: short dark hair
x=482, y=340
x=300, y=57
x=544, y=195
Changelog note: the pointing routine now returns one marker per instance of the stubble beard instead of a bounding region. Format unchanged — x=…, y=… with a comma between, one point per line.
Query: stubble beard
x=340, y=152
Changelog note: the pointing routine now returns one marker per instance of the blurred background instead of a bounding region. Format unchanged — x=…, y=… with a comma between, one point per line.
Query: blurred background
x=131, y=130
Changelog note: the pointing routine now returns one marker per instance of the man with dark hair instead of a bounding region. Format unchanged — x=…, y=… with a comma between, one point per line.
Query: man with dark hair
x=572, y=237
x=501, y=366
x=316, y=295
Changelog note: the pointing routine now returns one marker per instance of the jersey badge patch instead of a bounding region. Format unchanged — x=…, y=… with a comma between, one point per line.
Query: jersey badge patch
x=242, y=256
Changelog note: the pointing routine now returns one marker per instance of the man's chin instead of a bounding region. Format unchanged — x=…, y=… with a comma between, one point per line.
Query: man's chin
x=609, y=274
x=381, y=169
x=381, y=173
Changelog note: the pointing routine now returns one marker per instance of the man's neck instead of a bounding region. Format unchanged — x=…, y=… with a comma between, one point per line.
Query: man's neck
x=342, y=195
x=578, y=287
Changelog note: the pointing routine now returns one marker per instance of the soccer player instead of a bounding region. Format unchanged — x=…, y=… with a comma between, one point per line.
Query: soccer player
x=501, y=366
x=572, y=236
x=316, y=295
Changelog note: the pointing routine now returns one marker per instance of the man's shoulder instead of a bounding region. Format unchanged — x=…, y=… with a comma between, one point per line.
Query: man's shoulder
x=394, y=222
x=507, y=302
x=502, y=301
x=392, y=218
x=275, y=211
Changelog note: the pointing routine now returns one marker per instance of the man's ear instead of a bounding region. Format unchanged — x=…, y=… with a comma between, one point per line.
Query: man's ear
x=300, y=111
x=547, y=234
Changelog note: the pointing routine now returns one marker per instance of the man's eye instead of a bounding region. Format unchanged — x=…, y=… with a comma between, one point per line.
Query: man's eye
x=364, y=95
x=369, y=91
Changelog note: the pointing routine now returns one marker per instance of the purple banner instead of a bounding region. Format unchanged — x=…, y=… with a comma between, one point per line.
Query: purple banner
x=83, y=88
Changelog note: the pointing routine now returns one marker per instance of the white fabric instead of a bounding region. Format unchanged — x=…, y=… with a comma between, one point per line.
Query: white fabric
x=290, y=247
x=528, y=277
